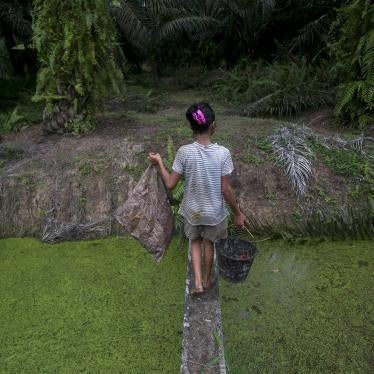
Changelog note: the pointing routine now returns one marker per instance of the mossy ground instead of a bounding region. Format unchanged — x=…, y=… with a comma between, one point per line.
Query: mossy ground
x=90, y=306
x=303, y=309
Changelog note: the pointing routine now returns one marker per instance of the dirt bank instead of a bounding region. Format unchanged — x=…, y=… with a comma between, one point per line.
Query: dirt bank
x=79, y=178
x=85, y=178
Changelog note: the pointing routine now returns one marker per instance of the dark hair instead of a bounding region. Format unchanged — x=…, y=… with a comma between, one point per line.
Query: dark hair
x=200, y=116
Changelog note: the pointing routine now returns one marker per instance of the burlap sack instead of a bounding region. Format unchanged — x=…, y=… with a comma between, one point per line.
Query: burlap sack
x=147, y=214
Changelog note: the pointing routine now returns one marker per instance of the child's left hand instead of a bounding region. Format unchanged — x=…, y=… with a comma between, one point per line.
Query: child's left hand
x=240, y=220
x=155, y=158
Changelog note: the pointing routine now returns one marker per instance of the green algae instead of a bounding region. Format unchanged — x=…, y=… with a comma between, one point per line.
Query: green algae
x=90, y=306
x=303, y=309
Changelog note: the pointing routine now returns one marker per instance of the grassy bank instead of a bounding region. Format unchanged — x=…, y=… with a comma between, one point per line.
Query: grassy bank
x=92, y=306
x=303, y=309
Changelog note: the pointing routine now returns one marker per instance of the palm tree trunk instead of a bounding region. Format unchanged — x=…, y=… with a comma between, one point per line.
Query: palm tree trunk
x=55, y=122
x=64, y=111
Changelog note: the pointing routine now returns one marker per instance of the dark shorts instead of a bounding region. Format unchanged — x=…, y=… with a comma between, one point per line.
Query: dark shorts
x=211, y=233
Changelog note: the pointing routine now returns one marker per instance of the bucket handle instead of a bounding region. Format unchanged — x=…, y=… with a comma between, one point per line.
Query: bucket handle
x=255, y=241
x=246, y=229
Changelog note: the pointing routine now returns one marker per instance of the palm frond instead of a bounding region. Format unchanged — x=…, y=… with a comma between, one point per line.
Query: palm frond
x=295, y=156
x=277, y=89
x=290, y=145
x=313, y=30
x=178, y=192
x=131, y=21
x=54, y=231
x=191, y=25
x=260, y=105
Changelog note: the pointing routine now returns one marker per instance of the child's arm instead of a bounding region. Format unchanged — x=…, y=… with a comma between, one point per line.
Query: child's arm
x=229, y=195
x=170, y=179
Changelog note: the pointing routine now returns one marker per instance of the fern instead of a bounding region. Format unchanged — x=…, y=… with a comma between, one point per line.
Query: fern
x=10, y=121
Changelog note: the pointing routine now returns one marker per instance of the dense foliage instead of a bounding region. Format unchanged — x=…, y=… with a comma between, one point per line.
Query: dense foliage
x=280, y=88
x=272, y=57
x=354, y=54
x=75, y=44
x=15, y=35
x=213, y=31
x=277, y=54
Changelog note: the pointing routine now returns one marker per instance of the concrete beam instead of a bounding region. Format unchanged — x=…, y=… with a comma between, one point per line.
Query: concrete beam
x=202, y=345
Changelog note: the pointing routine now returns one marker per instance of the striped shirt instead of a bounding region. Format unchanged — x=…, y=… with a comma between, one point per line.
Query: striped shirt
x=202, y=168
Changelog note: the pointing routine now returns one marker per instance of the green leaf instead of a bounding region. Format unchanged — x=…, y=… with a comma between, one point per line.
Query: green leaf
x=19, y=47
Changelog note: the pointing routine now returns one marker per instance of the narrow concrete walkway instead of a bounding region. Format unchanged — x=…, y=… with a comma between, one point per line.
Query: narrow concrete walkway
x=202, y=345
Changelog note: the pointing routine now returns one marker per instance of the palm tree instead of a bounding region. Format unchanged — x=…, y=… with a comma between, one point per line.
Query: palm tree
x=75, y=43
x=246, y=22
x=235, y=25
x=313, y=36
x=146, y=24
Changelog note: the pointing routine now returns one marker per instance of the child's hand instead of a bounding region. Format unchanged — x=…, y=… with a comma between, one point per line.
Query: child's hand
x=240, y=220
x=155, y=158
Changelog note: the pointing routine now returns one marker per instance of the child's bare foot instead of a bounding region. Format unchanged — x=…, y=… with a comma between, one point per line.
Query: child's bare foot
x=208, y=282
x=197, y=291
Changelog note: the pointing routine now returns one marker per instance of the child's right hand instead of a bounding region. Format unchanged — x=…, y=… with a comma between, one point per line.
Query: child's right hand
x=155, y=158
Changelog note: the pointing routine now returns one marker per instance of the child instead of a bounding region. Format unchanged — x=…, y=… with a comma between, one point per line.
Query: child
x=206, y=167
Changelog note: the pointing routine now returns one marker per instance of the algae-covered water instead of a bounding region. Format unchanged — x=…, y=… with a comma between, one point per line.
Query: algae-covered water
x=98, y=306
x=303, y=309
x=105, y=306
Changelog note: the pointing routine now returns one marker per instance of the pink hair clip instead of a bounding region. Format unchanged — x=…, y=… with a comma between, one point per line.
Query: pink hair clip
x=199, y=117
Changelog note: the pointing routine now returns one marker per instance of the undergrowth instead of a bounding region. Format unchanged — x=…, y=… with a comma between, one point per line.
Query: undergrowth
x=350, y=220
x=345, y=162
x=16, y=108
x=275, y=89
